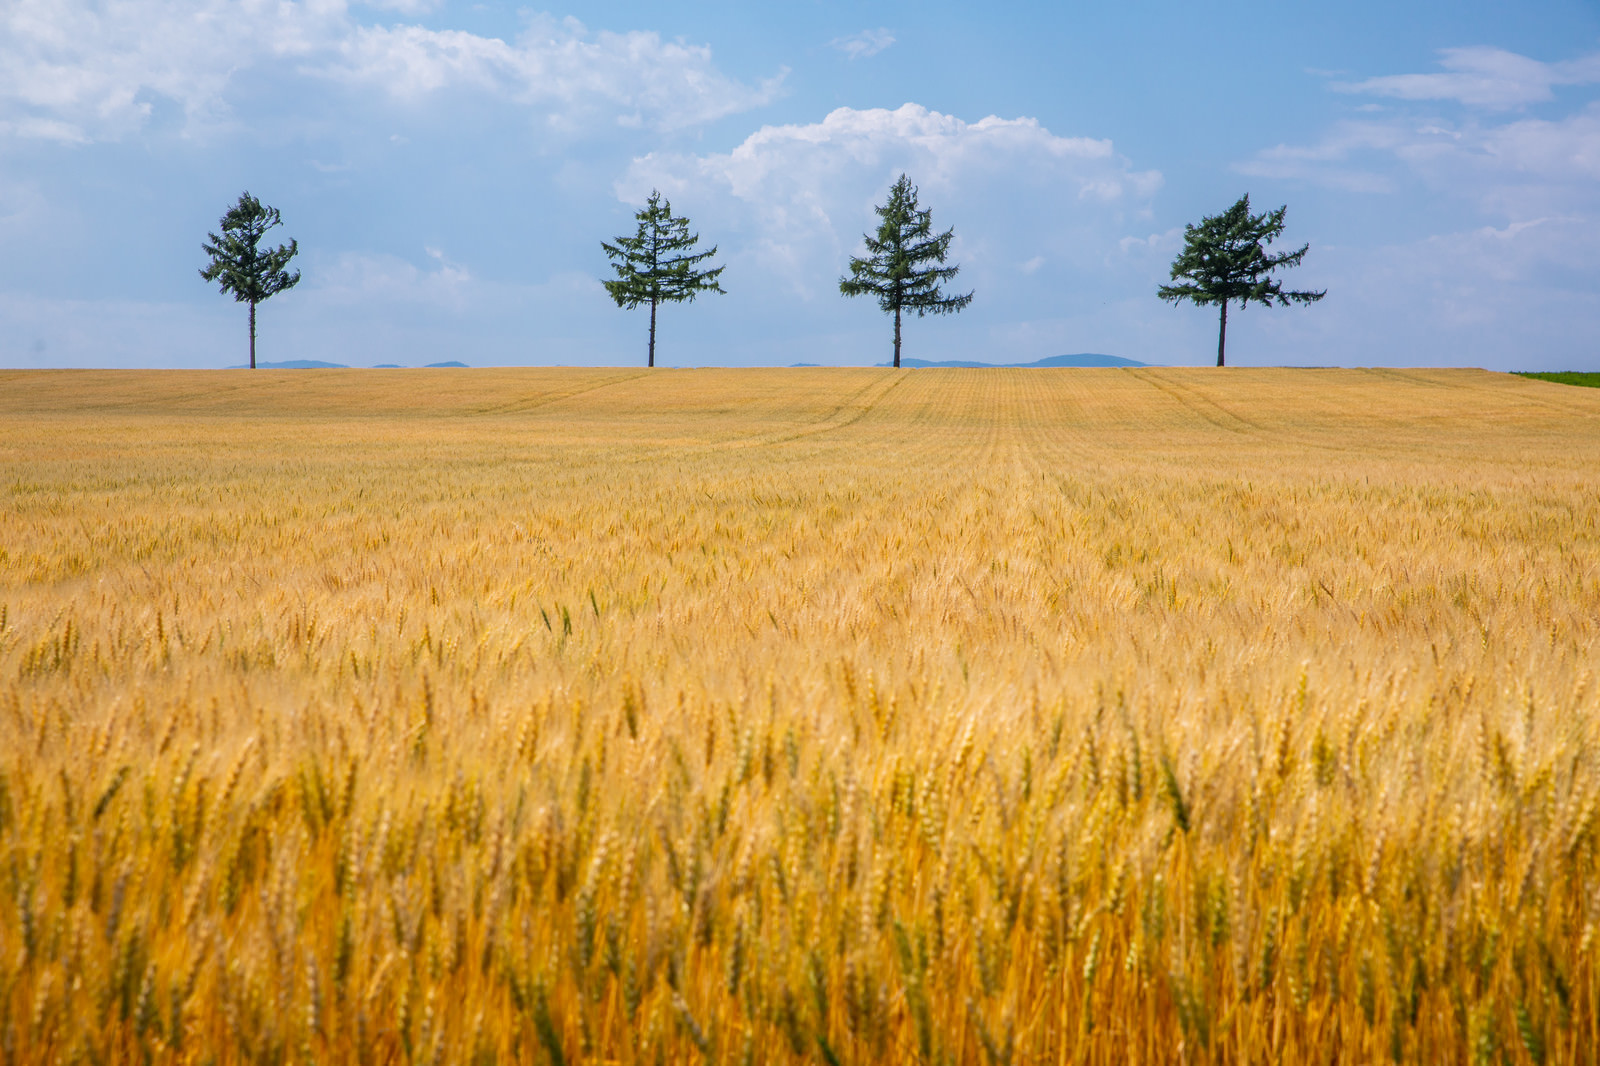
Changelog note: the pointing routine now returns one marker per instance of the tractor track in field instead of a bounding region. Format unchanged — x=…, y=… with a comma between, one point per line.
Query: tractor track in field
x=1203, y=405
x=533, y=403
x=843, y=415
x=1523, y=396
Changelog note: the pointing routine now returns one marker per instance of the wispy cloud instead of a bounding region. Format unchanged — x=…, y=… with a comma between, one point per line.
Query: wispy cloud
x=1481, y=76
x=1514, y=277
x=1483, y=296
x=1163, y=243
x=1343, y=158
x=1519, y=169
x=357, y=278
x=20, y=203
x=1514, y=167
x=405, y=7
x=636, y=77
x=865, y=44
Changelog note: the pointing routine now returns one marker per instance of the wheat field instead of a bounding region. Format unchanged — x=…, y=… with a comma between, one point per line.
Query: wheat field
x=783, y=716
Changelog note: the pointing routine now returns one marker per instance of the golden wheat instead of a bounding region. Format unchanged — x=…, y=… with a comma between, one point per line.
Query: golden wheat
x=790, y=716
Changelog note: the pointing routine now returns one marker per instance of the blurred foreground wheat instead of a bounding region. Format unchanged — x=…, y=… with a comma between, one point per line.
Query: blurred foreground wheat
x=791, y=716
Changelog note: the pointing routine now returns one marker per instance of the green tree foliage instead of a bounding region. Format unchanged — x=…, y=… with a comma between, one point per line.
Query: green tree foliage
x=1225, y=258
x=249, y=273
x=900, y=267
x=655, y=266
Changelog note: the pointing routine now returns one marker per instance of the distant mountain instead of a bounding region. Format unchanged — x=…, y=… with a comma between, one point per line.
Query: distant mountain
x=294, y=364
x=1085, y=359
x=387, y=366
x=450, y=363
x=1081, y=359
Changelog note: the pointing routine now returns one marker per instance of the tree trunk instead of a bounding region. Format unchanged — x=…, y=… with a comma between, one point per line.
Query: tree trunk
x=652, y=331
x=897, y=338
x=1222, y=335
x=252, y=334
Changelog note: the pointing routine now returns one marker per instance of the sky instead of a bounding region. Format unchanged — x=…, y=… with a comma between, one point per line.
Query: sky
x=449, y=170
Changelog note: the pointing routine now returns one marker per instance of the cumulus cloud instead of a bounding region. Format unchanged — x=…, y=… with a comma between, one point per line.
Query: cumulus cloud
x=793, y=163
x=789, y=205
x=1483, y=77
x=865, y=44
x=75, y=71
x=72, y=71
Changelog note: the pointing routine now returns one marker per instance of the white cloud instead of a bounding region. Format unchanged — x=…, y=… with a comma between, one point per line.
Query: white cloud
x=865, y=44
x=1479, y=276
x=450, y=272
x=637, y=76
x=1340, y=158
x=1522, y=168
x=43, y=129
x=1515, y=289
x=1517, y=169
x=411, y=61
x=405, y=7
x=357, y=278
x=1483, y=77
x=1521, y=295
x=1566, y=149
x=1159, y=243
x=74, y=70
x=799, y=196
x=795, y=172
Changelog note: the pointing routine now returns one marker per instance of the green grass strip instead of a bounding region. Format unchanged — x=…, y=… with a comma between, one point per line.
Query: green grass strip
x=1589, y=378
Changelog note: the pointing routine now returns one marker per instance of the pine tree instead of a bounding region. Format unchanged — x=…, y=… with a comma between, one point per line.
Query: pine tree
x=1225, y=258
x=654, y=266
x=893, y=269
x=249, y=273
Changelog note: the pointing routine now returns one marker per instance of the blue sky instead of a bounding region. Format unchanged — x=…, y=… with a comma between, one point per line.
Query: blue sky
x=450, y=168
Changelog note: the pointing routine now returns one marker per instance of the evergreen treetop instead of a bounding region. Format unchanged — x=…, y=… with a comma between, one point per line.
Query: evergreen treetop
x=899, y=265
x=1225, y=258
x=655, y=266
x=241, y=268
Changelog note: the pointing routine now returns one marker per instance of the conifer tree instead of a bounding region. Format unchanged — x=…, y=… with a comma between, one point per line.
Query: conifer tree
x=1225, y=258
x=898, y=269
x=655, y=266
x=249, y=273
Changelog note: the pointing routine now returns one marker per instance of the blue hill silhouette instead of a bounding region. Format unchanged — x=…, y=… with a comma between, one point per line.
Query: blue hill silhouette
x=1081, y=359
x=294, y=364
